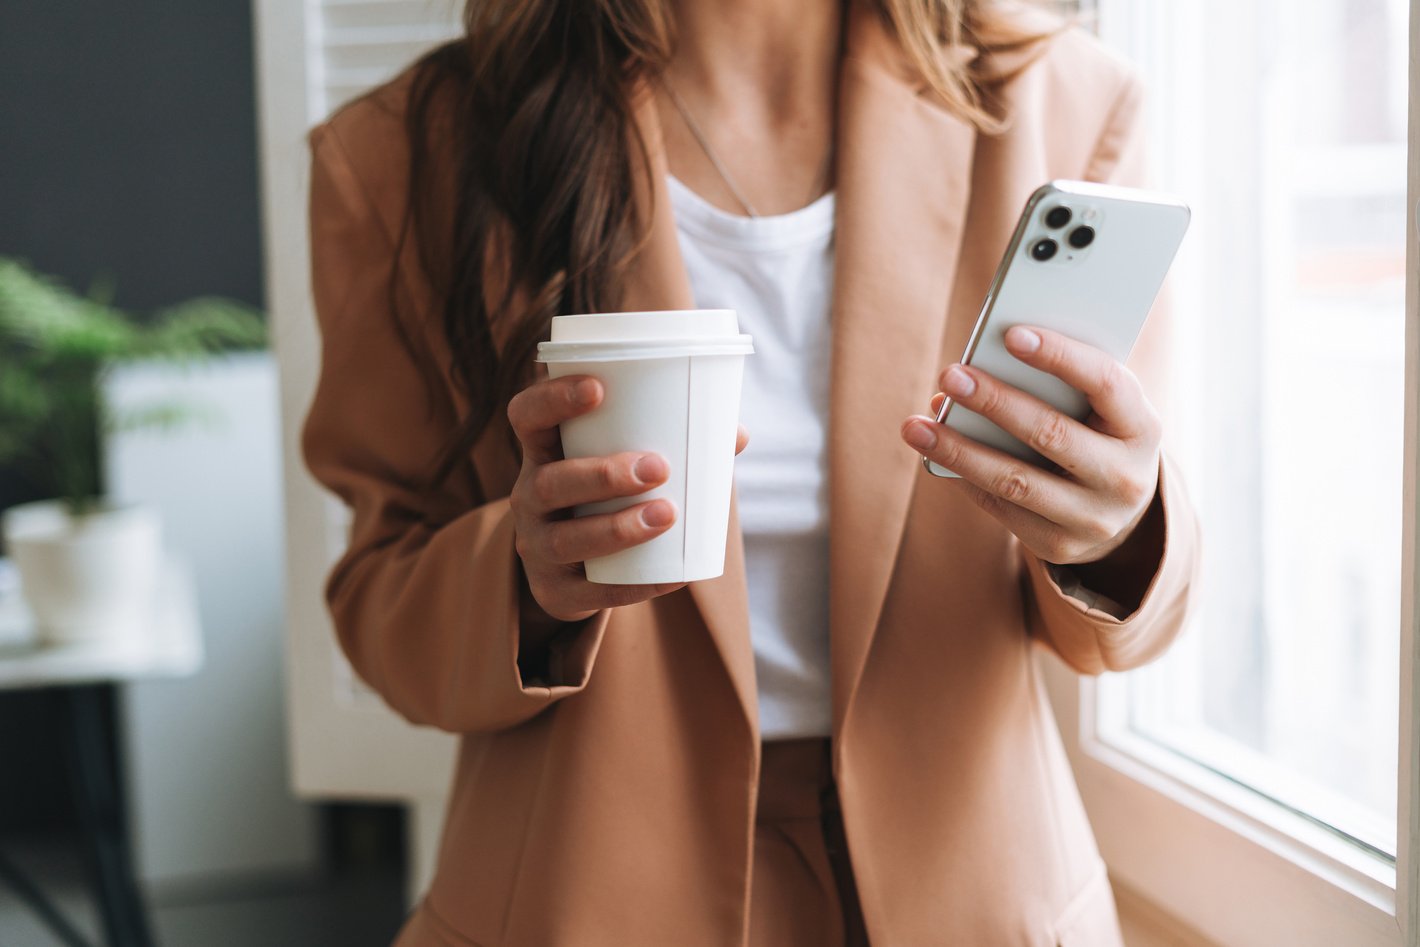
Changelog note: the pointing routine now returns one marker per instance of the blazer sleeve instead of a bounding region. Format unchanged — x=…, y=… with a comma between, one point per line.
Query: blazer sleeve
x=426, y=599
x=1096, y=636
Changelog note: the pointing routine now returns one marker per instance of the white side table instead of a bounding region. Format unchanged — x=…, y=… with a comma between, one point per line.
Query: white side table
x=84, y=679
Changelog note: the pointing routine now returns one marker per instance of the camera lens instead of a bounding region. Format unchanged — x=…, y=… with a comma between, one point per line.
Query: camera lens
x=1044, y=249
x=1082, y=237
x=1057, y=217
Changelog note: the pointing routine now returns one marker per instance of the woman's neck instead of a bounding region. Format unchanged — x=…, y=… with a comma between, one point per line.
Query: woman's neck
x=783, y=53
x=758, y=77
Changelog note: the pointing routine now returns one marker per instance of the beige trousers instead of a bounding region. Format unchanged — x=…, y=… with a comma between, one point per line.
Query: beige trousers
x=802, y=890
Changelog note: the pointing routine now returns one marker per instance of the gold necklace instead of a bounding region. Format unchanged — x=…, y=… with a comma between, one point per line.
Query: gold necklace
x=720, y=169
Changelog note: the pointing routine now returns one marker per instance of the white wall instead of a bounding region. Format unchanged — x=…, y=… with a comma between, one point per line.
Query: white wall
x=208, y=781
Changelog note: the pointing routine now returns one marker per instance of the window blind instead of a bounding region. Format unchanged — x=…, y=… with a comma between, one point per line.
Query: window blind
x=357, y=44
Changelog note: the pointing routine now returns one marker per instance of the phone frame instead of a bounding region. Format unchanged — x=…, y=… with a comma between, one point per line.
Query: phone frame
x=1054, y=188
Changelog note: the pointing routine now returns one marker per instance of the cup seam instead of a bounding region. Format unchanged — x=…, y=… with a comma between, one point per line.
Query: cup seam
x=685, y=497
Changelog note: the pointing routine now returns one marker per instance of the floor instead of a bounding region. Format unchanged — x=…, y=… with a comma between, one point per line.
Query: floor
x=1146, y=925
x=358, y=908
x=352, y=910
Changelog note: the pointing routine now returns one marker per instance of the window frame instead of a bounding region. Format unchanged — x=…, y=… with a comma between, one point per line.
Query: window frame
x=1189, y=840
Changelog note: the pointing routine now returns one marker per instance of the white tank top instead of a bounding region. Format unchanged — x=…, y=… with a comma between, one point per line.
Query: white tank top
x=777, y=273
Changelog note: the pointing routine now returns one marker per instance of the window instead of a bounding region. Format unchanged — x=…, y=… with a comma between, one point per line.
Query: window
x=1288, y=683
x=1263, y=748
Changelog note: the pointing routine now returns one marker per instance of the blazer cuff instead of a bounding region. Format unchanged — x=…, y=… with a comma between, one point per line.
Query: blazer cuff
x=1070, y=586
x=437, y=630
x=566, y=666
x=571, y=654
x=1094, y=633
x=490, y=690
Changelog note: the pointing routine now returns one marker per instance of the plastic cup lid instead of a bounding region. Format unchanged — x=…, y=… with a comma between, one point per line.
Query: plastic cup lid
x=624, y=350
x=667, y=324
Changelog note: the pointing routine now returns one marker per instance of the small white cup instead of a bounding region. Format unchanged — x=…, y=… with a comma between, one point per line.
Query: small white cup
x=672, y=382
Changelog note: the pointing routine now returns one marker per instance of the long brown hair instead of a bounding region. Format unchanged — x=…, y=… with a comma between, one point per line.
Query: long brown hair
x=524, y=149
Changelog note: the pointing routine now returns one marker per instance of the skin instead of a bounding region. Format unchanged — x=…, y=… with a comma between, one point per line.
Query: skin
x=1087, y=510
x=759, y=78
x=552, y=545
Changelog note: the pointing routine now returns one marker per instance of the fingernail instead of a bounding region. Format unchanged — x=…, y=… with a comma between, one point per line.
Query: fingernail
x=585, y=391
x=1022, y=339
x=958, y=383
x=650, y=468
x=658, y=514
x=920, y=436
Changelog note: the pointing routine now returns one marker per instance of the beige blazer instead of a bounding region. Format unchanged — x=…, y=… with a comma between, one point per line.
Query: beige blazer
x=615, y=805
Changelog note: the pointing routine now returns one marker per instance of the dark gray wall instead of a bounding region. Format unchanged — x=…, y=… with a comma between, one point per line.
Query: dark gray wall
x=128, y=145
x=127, y=153
x=128, y=150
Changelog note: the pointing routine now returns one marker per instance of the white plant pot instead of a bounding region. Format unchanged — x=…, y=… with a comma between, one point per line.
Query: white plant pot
x=86, y=578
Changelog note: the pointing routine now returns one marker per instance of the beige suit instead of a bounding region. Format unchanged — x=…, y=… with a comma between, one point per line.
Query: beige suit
x=616, y=806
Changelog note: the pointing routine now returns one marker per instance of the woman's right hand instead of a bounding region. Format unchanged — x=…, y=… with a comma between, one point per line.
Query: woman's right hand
x=550, y=542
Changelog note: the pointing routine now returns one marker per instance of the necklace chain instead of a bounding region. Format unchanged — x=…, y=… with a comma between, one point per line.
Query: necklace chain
x=720, y=169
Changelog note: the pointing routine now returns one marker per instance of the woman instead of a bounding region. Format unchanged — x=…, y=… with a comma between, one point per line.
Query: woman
x=844, y=738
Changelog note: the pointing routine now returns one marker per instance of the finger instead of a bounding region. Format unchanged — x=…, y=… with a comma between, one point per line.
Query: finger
x=591, y=595
x=564, y=592
x=1036, y=533
x=1085, y=453
x=937, y=401
x=535, y=412
x=587, y=537
x=564, y=483
x=741, y=439
x=1111, y=388
x=1020, y=483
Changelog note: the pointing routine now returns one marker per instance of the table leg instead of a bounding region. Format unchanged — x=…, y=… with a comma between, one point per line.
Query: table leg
x=37, y=901
x=96, y=775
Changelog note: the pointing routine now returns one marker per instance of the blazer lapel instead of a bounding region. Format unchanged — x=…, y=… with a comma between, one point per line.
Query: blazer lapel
x=656, y=279
x=904, y=171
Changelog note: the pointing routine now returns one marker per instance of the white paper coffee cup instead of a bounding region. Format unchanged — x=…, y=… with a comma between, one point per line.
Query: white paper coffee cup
x=672, y=383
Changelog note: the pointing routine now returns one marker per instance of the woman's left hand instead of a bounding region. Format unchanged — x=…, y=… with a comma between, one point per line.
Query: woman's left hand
x=1107, y=466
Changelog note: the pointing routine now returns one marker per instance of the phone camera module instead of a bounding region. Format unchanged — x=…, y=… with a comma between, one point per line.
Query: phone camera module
x=1057, y=217
x=1082, y=237
x=1043, y=250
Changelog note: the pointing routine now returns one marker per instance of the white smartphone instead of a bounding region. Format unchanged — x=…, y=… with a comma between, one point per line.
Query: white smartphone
x=1086, y=260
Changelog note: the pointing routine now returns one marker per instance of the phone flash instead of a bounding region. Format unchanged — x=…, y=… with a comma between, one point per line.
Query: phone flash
x=1090, y=214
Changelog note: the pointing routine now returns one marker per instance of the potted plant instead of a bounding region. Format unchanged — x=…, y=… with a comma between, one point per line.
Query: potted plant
x=88, y=567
